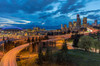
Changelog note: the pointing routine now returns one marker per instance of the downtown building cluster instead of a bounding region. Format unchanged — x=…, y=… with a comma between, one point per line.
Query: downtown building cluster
x=78, y=25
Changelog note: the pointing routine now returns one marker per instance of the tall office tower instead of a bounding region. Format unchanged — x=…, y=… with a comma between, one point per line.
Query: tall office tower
x=85, y=22
x=65, y=26
x=70, y=25
x=61, y=27
x=95, y=22
x=74, y=24
x=78, y=21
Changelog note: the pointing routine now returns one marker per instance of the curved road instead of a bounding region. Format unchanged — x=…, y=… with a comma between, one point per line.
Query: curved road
x=9, y=58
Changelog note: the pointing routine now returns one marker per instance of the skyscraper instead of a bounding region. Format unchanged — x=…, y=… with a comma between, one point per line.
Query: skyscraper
x=78, y=21
x=74, y=24
x=85, y=22
x=65, y=26
x=70, y=25
x=61, y=27
x=95, y=22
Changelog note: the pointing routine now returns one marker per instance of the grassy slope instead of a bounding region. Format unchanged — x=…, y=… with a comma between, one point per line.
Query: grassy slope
x=83, y=58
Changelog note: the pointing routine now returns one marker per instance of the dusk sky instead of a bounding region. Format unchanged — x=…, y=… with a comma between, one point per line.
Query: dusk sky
x=48, y=14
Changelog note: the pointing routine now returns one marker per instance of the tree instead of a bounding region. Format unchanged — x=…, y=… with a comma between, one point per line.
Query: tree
x=54, y=43
x=8, y=45
x=98, y=36
x=30, y=48
x=28, y=40
x=33, y=46
x=76, y=40
x=92, y=35
x=40, y=55
x=32, y=39
x=64, y=47
x=46, y=37
x=5, y=45
x=62, y=57
x=39, y=39
x=99, y=46
x=3, y=38
x=36, y=39
x=96, y=45
x=85, y=42
x=48, y=54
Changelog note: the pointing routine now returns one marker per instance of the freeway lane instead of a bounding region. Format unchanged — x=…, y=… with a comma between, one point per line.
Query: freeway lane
x=9, y=58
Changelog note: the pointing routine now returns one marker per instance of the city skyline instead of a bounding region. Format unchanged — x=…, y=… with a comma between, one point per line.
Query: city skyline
x=49, y=33
x=44, y=14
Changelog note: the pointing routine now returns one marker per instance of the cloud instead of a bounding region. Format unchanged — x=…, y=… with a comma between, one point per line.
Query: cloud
x=43, y=23
x=93, y=17
x=93, y=5
x=91, y=11
x=5, y=25
x=25, y=22
x=12, y=21
x=28, y=6
x=55, y=7
x=47, y=12
x=70, y=6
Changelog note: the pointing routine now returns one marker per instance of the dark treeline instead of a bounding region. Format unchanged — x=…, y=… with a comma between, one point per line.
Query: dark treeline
x=35, y=42
x=60, y=57
x=88, y=43
x=8, y=44
x=76, y=38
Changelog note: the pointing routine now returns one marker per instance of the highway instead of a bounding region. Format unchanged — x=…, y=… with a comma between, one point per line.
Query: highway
x=9, y=58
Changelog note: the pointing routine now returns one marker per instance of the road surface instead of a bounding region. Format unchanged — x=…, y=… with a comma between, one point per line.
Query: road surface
x=9, y=58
